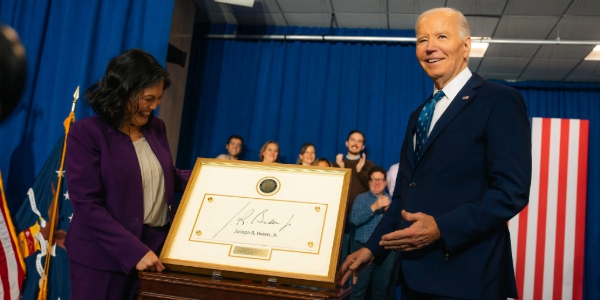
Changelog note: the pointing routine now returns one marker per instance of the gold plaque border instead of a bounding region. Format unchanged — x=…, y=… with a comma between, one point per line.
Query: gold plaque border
x=243, y=273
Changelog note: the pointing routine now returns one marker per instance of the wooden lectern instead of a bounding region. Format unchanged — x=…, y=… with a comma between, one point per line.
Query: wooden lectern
x=174, y=285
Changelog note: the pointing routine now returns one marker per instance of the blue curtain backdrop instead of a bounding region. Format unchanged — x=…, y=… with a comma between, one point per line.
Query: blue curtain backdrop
x=299, y=91
x=68, y=43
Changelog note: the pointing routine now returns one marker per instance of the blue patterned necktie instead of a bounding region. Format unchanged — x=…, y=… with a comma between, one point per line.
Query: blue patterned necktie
x=424, y=121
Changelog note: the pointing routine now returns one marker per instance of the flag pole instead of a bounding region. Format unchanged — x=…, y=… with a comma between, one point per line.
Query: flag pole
x=42, y=295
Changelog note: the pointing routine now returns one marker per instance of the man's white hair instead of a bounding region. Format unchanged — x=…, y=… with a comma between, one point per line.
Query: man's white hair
x=463, y=25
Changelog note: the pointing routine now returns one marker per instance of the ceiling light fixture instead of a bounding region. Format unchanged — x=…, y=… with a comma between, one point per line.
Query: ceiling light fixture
x=478, y=49
x=594, y=55
x=247, y=3
x=384, y=39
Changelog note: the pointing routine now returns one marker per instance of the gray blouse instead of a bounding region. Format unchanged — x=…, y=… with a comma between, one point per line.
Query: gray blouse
x=155, y=205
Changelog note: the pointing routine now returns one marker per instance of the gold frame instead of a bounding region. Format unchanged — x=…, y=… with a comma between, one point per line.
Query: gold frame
x=231, y=271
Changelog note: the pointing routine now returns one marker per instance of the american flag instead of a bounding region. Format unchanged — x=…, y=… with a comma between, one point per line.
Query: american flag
x=548, y=235
x=12, y=267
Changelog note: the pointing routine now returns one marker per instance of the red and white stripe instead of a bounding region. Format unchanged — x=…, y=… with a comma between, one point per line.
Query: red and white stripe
x=11, y=271
x=548, y=235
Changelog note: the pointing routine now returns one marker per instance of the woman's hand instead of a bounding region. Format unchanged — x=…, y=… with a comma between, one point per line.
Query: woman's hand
x=150, y=262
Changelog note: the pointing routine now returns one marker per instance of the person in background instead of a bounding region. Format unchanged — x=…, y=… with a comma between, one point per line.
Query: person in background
x=357, y=162
x=465, y=171
x=121, y=180
x=269, y=152
x=391, y=177
x=367, y=211
x=322, y=162
x=307, y=154
x=234, y=148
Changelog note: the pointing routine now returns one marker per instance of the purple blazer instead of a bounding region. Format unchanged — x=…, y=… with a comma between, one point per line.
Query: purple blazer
x=105, y=188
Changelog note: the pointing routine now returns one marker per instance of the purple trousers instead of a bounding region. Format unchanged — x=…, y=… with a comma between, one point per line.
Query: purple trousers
x=89, y=283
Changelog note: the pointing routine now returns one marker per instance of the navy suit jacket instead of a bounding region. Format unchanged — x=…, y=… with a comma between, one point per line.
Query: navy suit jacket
x=473, y=176
x=105, y=187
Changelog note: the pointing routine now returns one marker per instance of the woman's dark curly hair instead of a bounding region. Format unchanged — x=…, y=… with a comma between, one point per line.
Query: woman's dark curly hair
x=115, y=98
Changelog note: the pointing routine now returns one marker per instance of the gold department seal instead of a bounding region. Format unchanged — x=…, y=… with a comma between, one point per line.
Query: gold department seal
x=268, y=186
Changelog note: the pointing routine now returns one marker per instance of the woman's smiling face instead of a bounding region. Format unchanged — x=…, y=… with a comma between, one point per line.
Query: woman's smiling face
x=149, y=100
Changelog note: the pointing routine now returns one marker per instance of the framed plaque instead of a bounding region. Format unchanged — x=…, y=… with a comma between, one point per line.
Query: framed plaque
x=260, y=221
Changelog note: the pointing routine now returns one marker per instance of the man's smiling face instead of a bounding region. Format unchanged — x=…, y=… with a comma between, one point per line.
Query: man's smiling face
x=355, y=143
x=441, y=50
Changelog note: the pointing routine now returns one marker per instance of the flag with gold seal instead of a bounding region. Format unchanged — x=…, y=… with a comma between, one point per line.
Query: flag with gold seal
x=42, y=223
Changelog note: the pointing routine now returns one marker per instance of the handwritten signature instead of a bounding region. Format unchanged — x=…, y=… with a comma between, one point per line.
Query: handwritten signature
x=259, y=218
x=249, y=218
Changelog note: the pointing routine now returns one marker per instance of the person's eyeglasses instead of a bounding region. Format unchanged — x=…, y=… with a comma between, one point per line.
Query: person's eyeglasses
x=235, y=144
x=378, y=179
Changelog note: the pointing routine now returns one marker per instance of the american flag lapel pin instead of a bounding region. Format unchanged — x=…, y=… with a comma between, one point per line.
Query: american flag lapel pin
x=465, y=98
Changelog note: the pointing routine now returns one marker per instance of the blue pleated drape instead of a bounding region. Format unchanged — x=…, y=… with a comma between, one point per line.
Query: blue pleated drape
x=302, y=91
x=68, y=43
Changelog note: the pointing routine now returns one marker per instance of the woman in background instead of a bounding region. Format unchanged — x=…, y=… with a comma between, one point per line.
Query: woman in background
x=307, y=154
x=269, y=152
x=121, y=181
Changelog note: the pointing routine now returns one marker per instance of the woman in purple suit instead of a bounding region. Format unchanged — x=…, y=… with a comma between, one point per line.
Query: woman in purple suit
x=121, y=181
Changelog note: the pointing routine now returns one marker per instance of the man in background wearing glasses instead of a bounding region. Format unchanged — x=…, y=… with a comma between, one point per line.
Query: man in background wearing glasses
x=366, y=213
x=234, y=148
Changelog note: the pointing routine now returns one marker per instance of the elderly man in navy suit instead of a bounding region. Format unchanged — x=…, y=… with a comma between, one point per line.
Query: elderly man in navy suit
x=465, y=170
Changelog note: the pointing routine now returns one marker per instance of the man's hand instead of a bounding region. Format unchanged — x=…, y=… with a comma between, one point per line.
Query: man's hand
x=150, y=262
x=354, y=263
x=421, y=233
x=361, y=163
x=381, y=202
x=339, y=160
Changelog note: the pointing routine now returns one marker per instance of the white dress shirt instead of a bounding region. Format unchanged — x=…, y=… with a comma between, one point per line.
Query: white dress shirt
x=450, y=91
x=391, y=177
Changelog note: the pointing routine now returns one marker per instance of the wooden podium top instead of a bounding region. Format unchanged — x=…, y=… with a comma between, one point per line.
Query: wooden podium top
x=174, y=285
